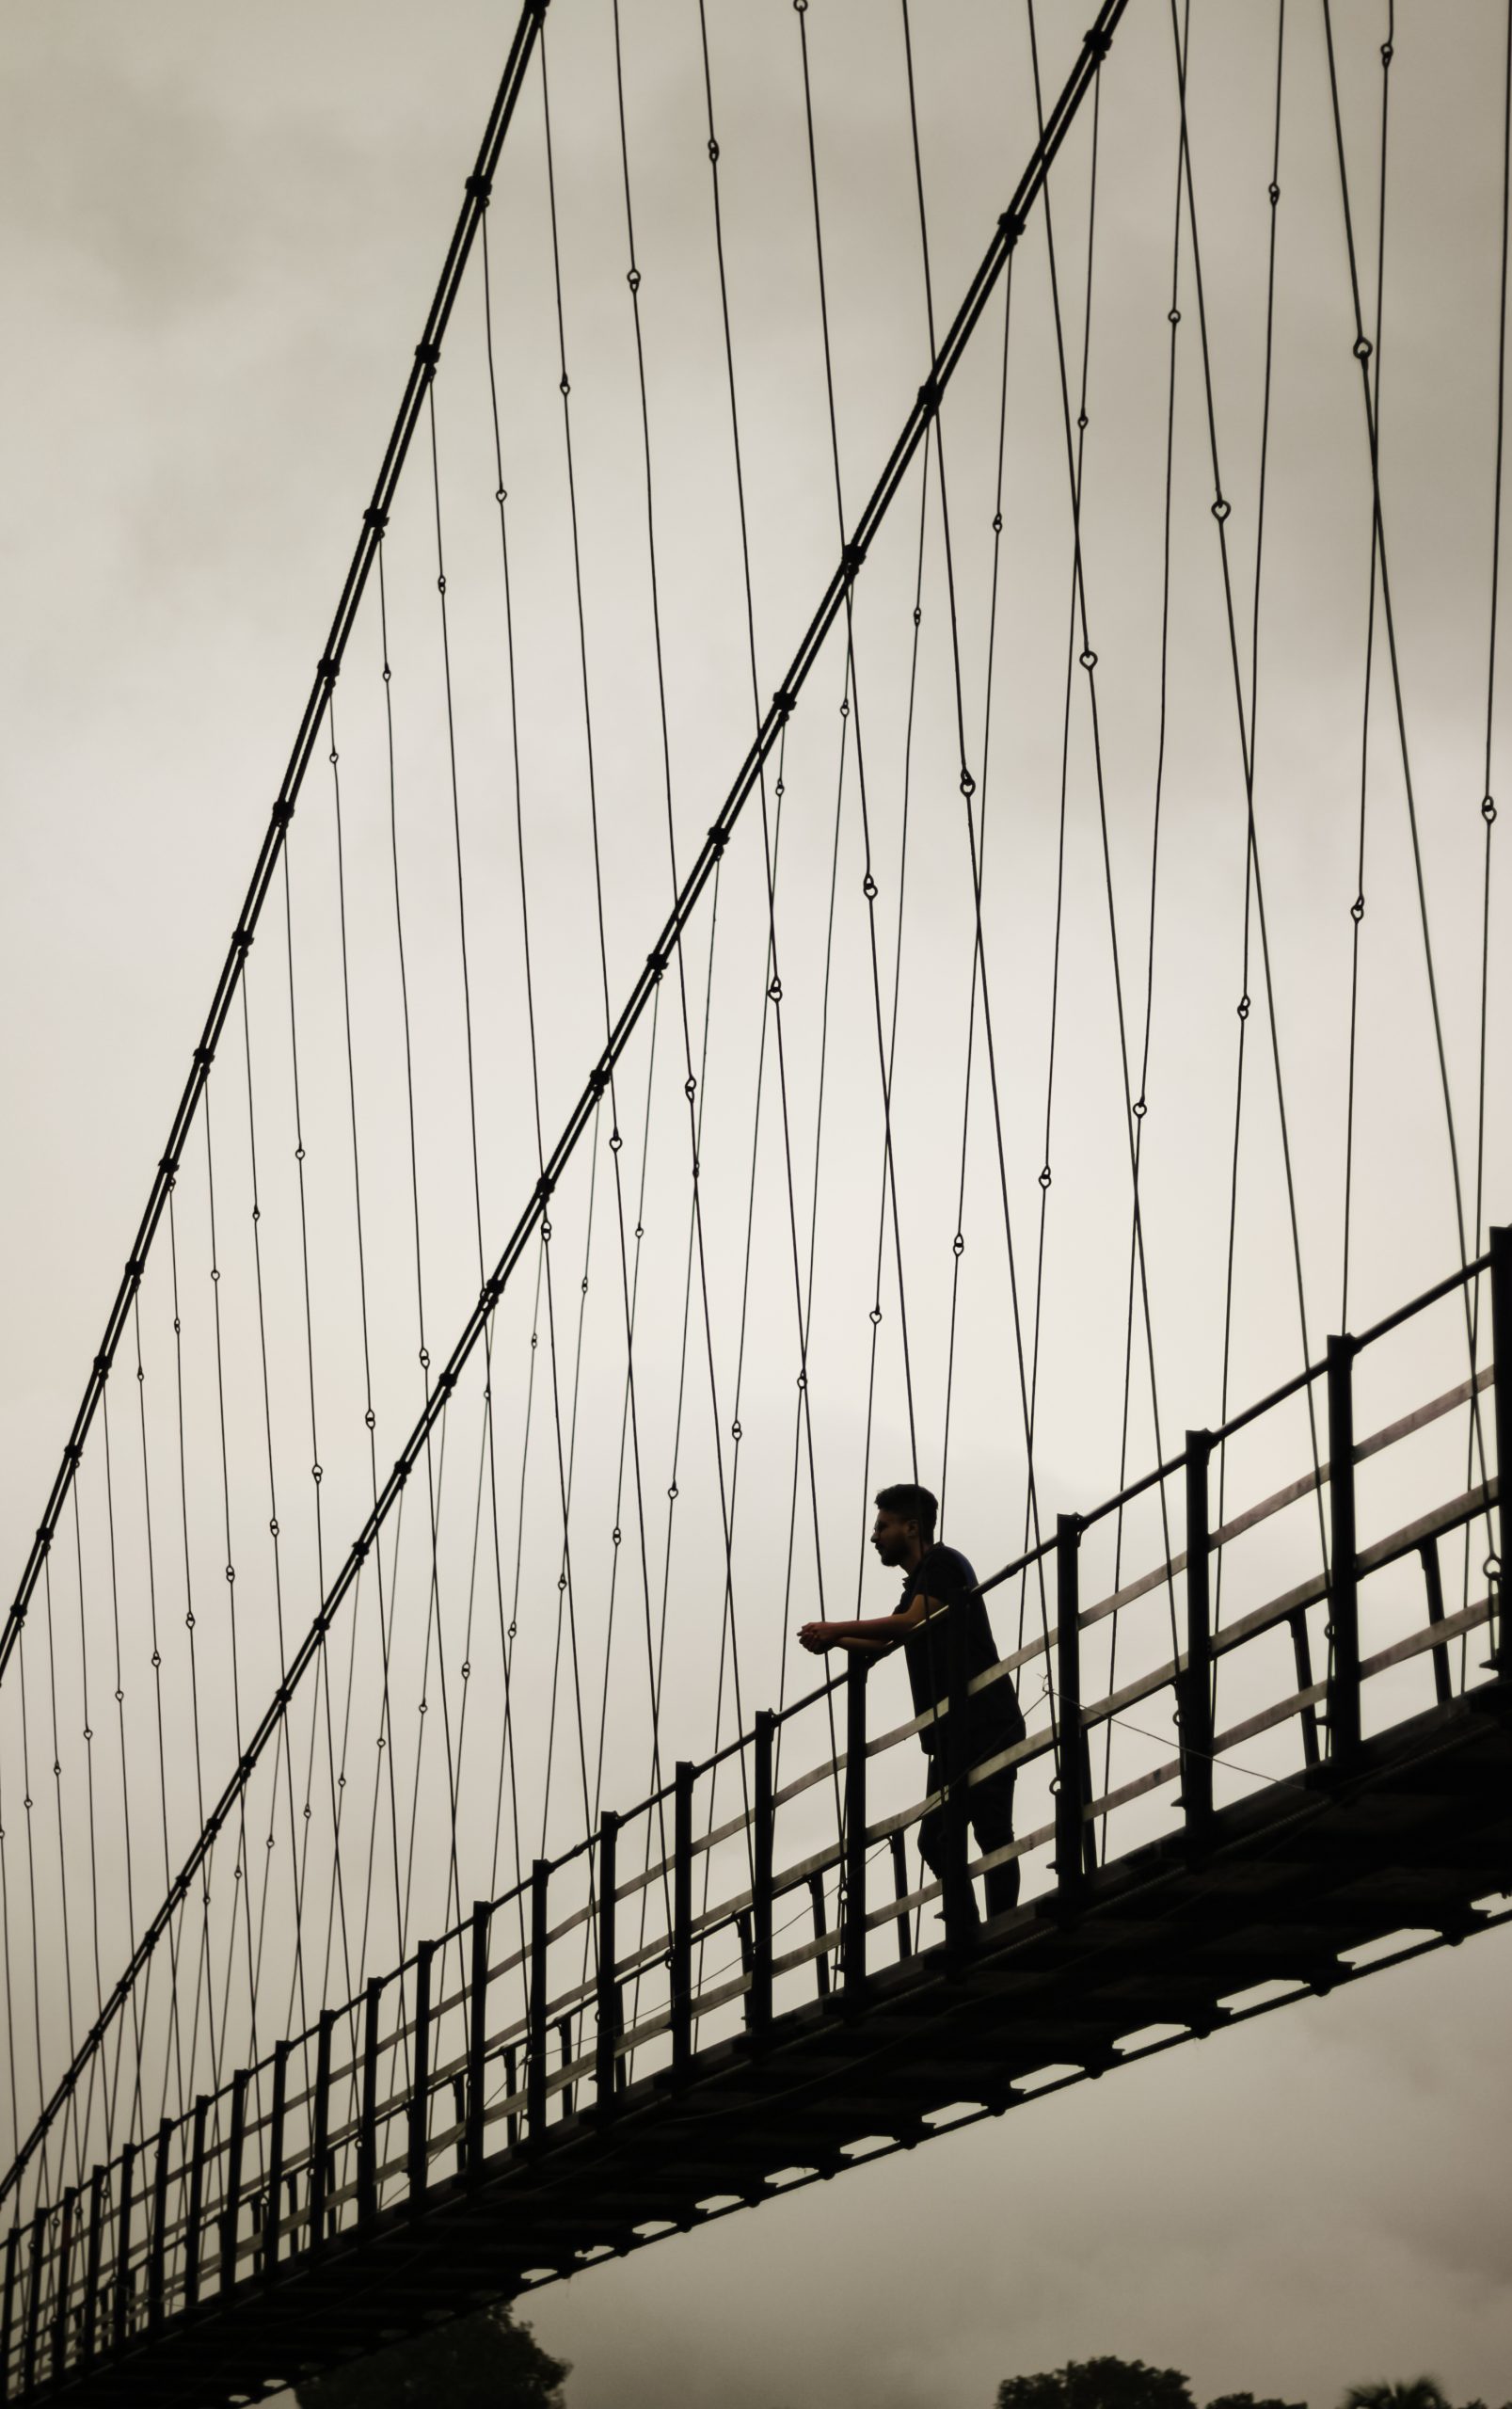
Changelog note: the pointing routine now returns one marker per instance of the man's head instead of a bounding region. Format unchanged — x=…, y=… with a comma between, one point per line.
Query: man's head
x=904, y=1526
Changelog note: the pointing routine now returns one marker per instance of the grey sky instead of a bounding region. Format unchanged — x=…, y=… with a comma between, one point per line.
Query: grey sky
x=220, y=230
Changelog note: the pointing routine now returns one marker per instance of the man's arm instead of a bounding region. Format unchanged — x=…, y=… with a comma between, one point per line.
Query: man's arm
x=871, y=1634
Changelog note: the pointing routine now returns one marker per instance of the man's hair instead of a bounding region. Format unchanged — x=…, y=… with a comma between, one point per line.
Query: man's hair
x=910, y=1503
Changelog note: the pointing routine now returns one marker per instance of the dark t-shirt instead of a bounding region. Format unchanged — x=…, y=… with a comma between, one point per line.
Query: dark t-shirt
x=944, y=1573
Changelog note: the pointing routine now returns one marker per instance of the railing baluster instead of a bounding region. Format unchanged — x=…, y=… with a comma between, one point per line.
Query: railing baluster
x=460, y=2112
x=8, y=2312
x=1070, y=1796
x=197, y=2202
x=1344, y=1585
x=606, y=2060
x=272, y=2214
x=1501, y=1414
x=564, y=2033
x=230, y=2210
x=367, y=2131
x=758, y=1998
x=120, y=2297
x=853, y=1942
x=34, y=2303
x=94, y=2250
x=61, y=2307
x=536, y=2038
x=320, y=2131
x=898, y=1846
x=420, y=2096
x=683, y=1918
x=157, y=2250
x=822, y=1959
x=1195, y=1690
x=1433, y=1585
x=510, y=2078
x=477, y=2036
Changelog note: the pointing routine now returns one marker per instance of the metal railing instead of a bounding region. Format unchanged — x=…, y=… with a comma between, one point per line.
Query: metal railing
x=743, y=1888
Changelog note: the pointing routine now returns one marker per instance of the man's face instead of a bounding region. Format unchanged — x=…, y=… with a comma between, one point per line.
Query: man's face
x=892, y=1537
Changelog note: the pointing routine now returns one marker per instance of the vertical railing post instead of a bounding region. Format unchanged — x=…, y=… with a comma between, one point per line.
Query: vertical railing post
x=157, y=2247
x=419, y=2097
x=477, y=2034
x=61, y=2306
x=367, y=2130
x=1502, y=1415
x=121, y=2294
x=899, y=1847
x=320, y=2131
x=511, y=2117
x=94, y=2252
x=606, y=2054
x=1343, y=1584
x=197, y=2202
x=8, y=2313
x=271, y=2213
x=682, y=1960
x=230, y=2211
x=535, y=2039
x=33, y=2302
x=1195, y=1686
x=1071, y=1795
x=959, y=1904
x=758, y=1998
x=853, y=1933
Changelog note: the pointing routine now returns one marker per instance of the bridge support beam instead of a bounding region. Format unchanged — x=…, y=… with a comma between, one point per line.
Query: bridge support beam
x=1195, y=1689
x=420, y=2097
x=270, y=2212
x=853, y=1934
x=121, y=2293
x=1070, y=1769
x=233, y=2184
x=320, y=2131
x=477, y=2037
x=682, y=1920
x=606, y=2053
x=197, y=2202
x=536, y=2037
x=367, y=2133
x=1502, y=1394
x=758, y=1998
x=157, y=2247
x=1344, y=1570
x=94, y=2252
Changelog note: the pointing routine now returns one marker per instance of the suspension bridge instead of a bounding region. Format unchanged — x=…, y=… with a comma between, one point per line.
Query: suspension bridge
x=888, y=871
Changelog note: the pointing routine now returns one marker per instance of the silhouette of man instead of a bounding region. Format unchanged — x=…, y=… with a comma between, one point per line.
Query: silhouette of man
x=939, y=1582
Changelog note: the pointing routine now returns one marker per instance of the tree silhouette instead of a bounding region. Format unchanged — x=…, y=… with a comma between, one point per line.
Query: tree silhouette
x=1098, y=2384
x=1422, y=2393
x=481, y=2362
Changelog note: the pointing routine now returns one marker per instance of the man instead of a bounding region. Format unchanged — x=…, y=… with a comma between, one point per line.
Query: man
x=938, y=1582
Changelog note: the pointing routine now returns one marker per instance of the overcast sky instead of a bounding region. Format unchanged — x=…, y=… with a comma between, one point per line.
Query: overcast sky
x=220, y=230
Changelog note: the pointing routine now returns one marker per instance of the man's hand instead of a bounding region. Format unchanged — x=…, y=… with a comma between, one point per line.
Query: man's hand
x=817, y=1637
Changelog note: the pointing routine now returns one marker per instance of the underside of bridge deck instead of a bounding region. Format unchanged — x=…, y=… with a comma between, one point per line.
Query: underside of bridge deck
x=1414, y=1842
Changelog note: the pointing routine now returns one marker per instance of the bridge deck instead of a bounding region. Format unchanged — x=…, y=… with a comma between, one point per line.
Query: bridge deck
x=1414, y=1840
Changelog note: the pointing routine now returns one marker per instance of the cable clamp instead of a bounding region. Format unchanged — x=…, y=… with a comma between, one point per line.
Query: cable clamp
x=928, y=396
x=103, y=1364
x=656, y=964
x=490, y=1293
x=479, y=188
x=428, y=354
x=446, y=1382
x=170, y=1164
x=719, y=837
x=359, y=1549
x=401, y=1471
x=543, y=1186
x=73, y=1453
x=852, y=558
x=597, y=1081
x=282, y=812
x=783, y=703
x=241, y=939
x=328, y=669
x=1010, y=226
x=135, y=1268
x=1098, y=41
x=374, y=517
x=204, y=1056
